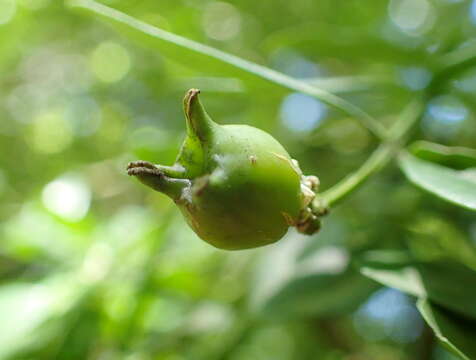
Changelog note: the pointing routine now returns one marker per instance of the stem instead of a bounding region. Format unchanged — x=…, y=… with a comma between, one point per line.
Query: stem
x=348, y=84
x=450, y=65
x=346, y=186
x=457, y=60
x=379, y=158
x=248, y=66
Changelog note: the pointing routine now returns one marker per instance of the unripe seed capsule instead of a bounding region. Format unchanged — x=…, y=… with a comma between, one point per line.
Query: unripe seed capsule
x=236, y=186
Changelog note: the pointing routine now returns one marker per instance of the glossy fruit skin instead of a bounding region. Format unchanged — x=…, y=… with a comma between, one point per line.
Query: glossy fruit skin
x=236, y=186
x=247, y=191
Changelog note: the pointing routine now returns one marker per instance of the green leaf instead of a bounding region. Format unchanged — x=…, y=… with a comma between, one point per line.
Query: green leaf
x=24, y=307
x=319, y=295
x=455, y=333
x=248, y=66
x=357, y=46
x=320, y=284
x=454, y=157
x=433, y=237
x=454, y=186
x=386, y=259
x=446, y=283
x=450, y=284
x=406, y=279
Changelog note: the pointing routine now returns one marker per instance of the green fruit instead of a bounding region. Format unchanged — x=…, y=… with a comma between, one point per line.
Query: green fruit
x=236, y=186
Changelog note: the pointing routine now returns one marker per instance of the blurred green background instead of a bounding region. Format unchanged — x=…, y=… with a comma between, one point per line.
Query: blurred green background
x=95, y=266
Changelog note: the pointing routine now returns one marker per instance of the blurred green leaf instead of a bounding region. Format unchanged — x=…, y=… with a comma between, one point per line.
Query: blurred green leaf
x=384, y=259
x=454, y=157
x=128, y=281
x=17, y=319
x=237, y=62
x=196, y=47
x=320, y=284
x=454, y=186
x=456, y=334
x=406, y=279
x=302, y=37
x=24, y=307
x=432, y=236
x=440, y=281
x=319, y=295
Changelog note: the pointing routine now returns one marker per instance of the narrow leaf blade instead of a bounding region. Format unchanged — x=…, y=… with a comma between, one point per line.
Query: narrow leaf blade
x=456, y=334
x=450, y=185
x=321, y=283
x=446, y=283
x=406, y=279
x=456, y=157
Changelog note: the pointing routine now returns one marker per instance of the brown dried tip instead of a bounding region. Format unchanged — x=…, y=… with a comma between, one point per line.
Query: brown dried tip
x=190, y=96
x=141, y=167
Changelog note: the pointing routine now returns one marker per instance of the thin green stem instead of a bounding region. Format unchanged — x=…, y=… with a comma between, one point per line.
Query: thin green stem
x=457, y=59
x=248, y=66
x=450, y=65
x=349, y=84
x=346, y=186
x=407, y=119
x=379, y=158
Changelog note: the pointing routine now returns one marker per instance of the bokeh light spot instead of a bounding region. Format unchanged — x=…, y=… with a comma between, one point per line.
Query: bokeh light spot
x=51, y=133
x=84, y=114
x=110, y=62
x=96, y=263
x=302, y=113
x=8, y=10
x=330, y=260
x=221, y=21
x=466, y=82
x=210, y=316
x=388, y=314
x=410, y=16
x=473, y=11
x=415, y=78
x=68, y=197
x=445, y=116
x=447, y=110
x=294, y=64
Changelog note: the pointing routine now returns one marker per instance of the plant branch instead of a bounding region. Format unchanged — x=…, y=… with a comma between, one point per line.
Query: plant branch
x=348, y=84
x=347, y=185
x=248, y=66
x=448, y=66
x=461, y=58
x=451, y=64
x=380, y=157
